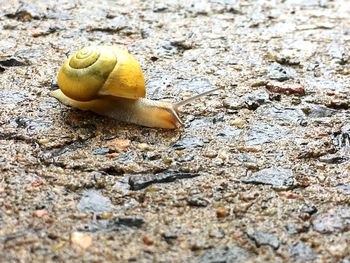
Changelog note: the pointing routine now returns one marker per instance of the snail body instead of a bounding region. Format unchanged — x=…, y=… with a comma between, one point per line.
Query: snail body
x=109, y=81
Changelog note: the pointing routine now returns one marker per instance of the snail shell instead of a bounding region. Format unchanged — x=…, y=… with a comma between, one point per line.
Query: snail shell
x=101, y=71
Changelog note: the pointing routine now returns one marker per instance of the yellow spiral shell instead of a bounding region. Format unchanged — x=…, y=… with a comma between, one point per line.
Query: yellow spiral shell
x=98, y=71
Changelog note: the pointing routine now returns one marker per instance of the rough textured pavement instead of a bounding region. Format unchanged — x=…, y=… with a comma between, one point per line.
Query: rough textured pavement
x=259, y=172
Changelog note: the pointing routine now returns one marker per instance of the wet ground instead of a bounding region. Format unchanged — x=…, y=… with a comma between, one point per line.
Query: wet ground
x=259, y=172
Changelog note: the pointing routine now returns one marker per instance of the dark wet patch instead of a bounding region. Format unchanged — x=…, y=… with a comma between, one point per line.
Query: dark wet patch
x=94, y=202
x=261, y=238
x=332, y=221
x=256, y=98
x=252, y=100
x=30, y=53
x=341, y=138
x=337, y=52
x=290, y=115
x=12, y=62
x=223, y=254
x=31, y=125
x=140, y=181
x=101, y=151
x=186, y=158
x=166, y=48
x=151, y=156
x=308, y=209
x=188, y=141
x=19, y=234
x=170, y=237
x=197, y=201
x=172, y=47
x=245, y=158
x=129, y=221
x=318, y=111
x=115, y=224
x=201, y=124
x=195, y=85
x=338, y=104
x=13, y=96
x=119, y=24
x=275, y=176
x=228, y=133
x=344, y=188
x=24, y=13
x=66, y=148
x=127, y=157
x=335, y=158
x=281, y=73
x=261, y=133
x=302, y=252
x=294, y=229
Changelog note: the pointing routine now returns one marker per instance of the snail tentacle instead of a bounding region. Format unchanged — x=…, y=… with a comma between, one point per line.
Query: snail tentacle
x=191, y=99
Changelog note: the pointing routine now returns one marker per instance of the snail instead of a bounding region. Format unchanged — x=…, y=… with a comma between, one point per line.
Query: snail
x=109, y=81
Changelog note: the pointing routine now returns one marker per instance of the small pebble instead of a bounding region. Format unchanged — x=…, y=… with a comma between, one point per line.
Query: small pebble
x=43, y=141
x=78, y=215
x=288, y=194
x=40, y=213
x=221, y=212
x=105, y=216
x=197, y=201
x=58, y=245
x=112, y=155
x=259, y=83
x=217, y=233
x=148, y=241
x=338, y=250
x=223, y=155
x=210, y=154
x=278, y=87
x=119, y=144
x=309, y=209
x=167, y=160
x=234, y=103
x=238, y=122
x=37, y=183
x=8, y=212
x=143, y=147
x=81, y=240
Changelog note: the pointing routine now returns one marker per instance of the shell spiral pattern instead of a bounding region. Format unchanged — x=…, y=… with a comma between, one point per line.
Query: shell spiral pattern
x=98, y=71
